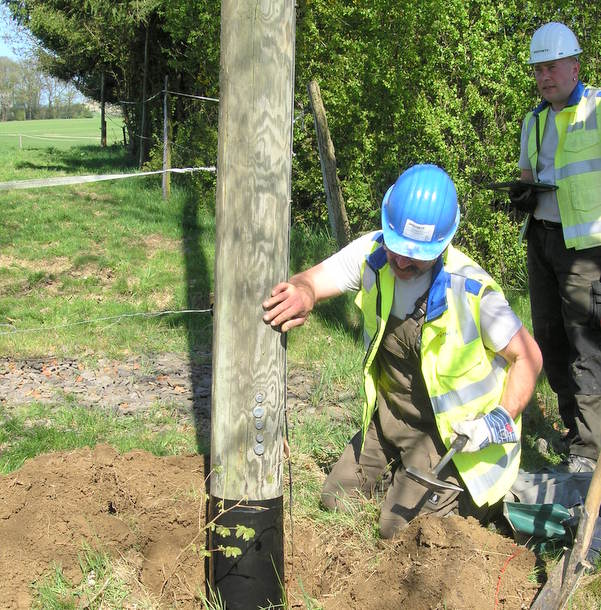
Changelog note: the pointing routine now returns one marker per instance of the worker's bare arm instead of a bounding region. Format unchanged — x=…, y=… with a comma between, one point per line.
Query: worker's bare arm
x=291, y=302
x=525, y=360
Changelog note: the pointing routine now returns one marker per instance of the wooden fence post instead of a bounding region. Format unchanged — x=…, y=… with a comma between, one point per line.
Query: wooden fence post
x=327, y=157
x=144, y=85
x=166, y=145
x=252, y=248
x=102, y=113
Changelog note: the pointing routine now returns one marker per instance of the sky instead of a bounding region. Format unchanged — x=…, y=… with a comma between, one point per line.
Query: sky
x=5, y=48
x=5, y=51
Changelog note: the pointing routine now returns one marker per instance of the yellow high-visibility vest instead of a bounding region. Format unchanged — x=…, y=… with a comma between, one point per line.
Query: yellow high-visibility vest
x=463, y=378
x=577, y=163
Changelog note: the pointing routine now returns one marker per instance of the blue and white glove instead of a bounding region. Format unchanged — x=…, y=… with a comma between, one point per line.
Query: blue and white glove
x=495, y=427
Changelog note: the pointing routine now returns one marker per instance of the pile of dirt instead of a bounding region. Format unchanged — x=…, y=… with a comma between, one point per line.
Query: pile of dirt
x=149, y=511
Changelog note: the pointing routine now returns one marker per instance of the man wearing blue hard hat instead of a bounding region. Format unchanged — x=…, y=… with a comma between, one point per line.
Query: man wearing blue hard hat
x=561, y=145
x=445, y=356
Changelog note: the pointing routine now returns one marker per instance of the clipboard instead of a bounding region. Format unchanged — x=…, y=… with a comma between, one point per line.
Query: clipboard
x=506, y=187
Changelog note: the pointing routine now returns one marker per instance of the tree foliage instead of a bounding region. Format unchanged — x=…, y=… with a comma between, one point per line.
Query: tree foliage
x=82, y=40
x=403, y=82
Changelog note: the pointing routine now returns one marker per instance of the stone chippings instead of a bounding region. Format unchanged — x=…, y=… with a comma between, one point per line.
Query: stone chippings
x=127, y=387
x=123, y=386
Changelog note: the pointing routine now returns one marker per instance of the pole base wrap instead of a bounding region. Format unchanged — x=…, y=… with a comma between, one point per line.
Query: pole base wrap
x=255, y=578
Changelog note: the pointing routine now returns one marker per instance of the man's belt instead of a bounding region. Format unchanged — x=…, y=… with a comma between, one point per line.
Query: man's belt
x=547, y=224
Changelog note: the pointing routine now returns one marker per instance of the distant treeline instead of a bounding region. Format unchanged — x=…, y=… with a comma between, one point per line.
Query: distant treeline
x=74, y=111
x=28, y=93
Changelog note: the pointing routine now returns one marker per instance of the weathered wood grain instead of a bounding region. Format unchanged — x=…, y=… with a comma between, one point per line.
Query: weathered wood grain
x=252, y=244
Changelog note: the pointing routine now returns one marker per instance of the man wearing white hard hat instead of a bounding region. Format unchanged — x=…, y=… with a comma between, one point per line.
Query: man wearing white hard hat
x=561, y=145
x=445, y=355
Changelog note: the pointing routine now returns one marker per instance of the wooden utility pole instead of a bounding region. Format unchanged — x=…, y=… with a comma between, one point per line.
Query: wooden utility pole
x=327, y=157
x=166, y=146
x=252, y=246
x=102, y=116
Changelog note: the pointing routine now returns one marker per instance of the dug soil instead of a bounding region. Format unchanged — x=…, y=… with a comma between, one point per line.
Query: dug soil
x=147, y=512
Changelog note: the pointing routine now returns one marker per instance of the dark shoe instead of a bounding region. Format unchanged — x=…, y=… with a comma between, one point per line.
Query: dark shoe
x=578, y=463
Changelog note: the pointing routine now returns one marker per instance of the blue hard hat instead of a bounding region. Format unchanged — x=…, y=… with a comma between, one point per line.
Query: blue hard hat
x=420, y=213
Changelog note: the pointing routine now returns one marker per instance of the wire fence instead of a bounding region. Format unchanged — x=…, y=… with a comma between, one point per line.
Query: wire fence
x=79, y=179
x=117, y=318
x=185, y=151
x=117, y=134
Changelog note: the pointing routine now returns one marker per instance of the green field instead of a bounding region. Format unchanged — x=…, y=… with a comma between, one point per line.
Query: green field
x=59, y=147
x=58, y=133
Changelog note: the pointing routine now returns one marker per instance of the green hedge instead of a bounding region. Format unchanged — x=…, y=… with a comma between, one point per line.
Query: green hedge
x=425, y=81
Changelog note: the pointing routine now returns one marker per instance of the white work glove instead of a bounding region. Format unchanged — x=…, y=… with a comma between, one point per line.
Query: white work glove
x=495, y=427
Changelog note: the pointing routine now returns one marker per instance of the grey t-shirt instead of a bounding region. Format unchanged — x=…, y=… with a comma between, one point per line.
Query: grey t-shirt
x=498, y=321
x=547, y=207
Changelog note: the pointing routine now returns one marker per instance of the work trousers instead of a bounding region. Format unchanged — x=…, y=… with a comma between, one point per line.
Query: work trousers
x=402, y=433
x=560, y=298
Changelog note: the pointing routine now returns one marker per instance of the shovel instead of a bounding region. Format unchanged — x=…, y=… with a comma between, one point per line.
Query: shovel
x=430, y=479
x=563, y=580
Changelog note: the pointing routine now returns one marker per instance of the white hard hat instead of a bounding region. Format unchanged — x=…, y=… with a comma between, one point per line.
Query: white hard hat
x=553, y=41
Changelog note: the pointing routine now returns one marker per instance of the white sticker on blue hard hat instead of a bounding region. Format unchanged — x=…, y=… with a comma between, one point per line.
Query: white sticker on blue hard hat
x=418, y=232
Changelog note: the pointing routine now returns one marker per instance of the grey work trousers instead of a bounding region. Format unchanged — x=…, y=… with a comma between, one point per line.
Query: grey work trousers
x=560, y=298
x=378, y=469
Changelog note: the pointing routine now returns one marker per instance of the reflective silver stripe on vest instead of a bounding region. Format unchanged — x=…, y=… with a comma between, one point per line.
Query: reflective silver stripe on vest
x=575, y=126
x=369, y=278
x=590, y=116
x=530, y=126
x=480, y=486
x=367, y=281
x=469, y=330
x=584, y=229
x=457, y=398
x=577, y=168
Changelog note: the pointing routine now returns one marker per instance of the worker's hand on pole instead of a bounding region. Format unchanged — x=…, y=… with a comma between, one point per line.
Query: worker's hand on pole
x=495, y=427
x=288, y=306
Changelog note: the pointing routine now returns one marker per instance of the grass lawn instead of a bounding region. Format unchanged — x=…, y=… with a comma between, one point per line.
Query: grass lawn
x=75, y=253
x=58, y=133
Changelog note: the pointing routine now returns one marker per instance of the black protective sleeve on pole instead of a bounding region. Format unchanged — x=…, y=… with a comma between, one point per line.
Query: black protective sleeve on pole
x=247, y=582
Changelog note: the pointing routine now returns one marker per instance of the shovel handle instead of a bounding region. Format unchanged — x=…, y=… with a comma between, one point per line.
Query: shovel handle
x=457, y=445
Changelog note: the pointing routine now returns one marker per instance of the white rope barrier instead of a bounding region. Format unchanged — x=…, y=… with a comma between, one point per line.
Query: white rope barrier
x=68, y=180
x=195, y=97
x=49, y=136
